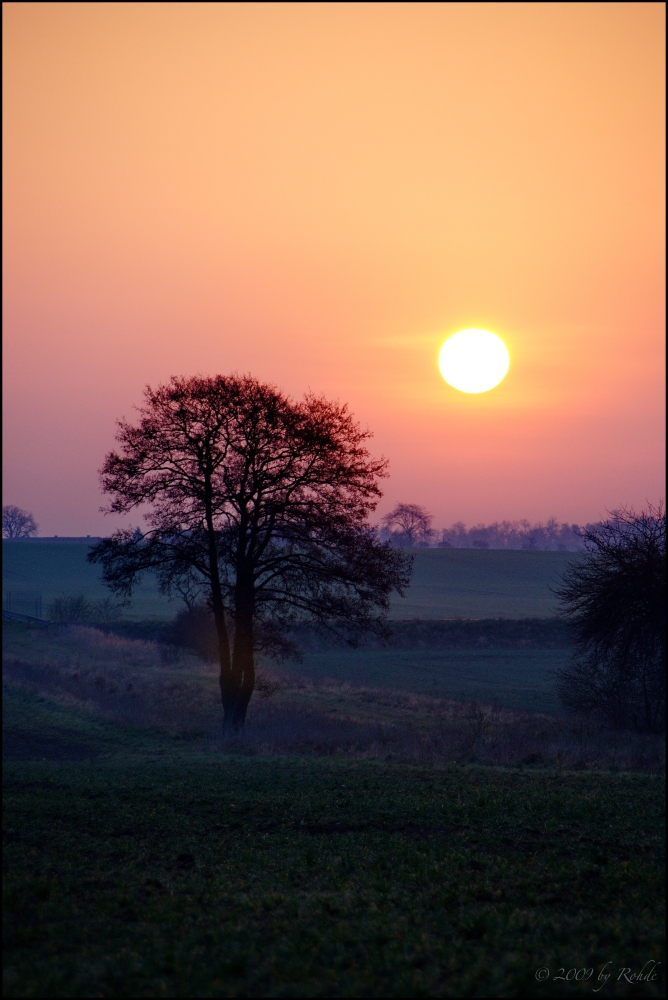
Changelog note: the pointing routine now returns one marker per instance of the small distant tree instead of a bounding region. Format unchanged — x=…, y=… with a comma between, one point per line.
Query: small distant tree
x=106, y=612
x=17, y=523
x=76, y=609
x=409, y=525
x=259, y=508
x=614, y=598
x=71, y=609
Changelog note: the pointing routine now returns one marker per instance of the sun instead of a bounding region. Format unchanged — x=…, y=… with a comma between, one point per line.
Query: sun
x=473, y=360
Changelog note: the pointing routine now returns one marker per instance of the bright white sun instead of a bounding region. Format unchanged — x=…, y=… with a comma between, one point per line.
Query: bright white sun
x=473, y=360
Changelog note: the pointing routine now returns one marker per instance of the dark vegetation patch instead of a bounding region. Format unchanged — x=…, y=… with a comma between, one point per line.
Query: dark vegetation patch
x=520, y=680
x=157, y=871
x=195, y=630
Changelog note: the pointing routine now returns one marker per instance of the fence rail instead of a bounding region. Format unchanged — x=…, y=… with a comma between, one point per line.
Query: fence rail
x=17, y=616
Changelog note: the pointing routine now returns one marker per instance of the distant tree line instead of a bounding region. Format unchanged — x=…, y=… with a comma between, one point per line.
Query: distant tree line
x=551, y=536
x=410, y=526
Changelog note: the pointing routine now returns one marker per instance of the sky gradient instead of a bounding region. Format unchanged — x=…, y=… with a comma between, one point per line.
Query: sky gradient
x=319, y=194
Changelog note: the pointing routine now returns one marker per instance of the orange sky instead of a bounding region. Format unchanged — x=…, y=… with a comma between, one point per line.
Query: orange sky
x=319, y=194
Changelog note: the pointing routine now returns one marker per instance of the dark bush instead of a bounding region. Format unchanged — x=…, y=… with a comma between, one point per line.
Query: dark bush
x=614, y=600
x=194, y=629
x=73, y=609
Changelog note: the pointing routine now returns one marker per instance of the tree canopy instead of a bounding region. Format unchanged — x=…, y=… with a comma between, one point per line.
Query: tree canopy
x=409, y=525
x=259, y=506
x=17, y=523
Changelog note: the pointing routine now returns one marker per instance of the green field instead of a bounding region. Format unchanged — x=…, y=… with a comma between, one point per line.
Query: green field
x=473, y=583
x=55, y=568
x=521, y=679
x=371, y=834
x=138, y=865
x=518, y=679
x=447, y=583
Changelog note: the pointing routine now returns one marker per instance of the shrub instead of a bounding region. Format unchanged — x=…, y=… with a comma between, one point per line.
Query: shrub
x=614, y=600
x=76, y=609
x=70, y=610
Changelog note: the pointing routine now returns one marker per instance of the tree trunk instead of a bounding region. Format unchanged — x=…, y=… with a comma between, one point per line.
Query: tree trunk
x=228, y=689
x=225, y=659
x=239, y=691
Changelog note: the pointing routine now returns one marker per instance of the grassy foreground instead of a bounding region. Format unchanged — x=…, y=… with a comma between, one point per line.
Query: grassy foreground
x=136, y=865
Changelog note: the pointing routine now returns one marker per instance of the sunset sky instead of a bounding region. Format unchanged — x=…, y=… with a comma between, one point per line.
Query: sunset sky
x=319, y=194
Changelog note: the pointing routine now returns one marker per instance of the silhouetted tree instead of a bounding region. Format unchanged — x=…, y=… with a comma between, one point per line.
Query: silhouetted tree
x=614, y=599
x=409, y=524
x=260, y=506
x=17, y=523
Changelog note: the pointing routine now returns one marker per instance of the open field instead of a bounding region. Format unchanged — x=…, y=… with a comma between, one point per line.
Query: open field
x=472, y=583
x=60, y=568
x=148, y=684
x=517, y=679
x=374, y=833
x=137, y=864
x=520, y=679
x=447, y=583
